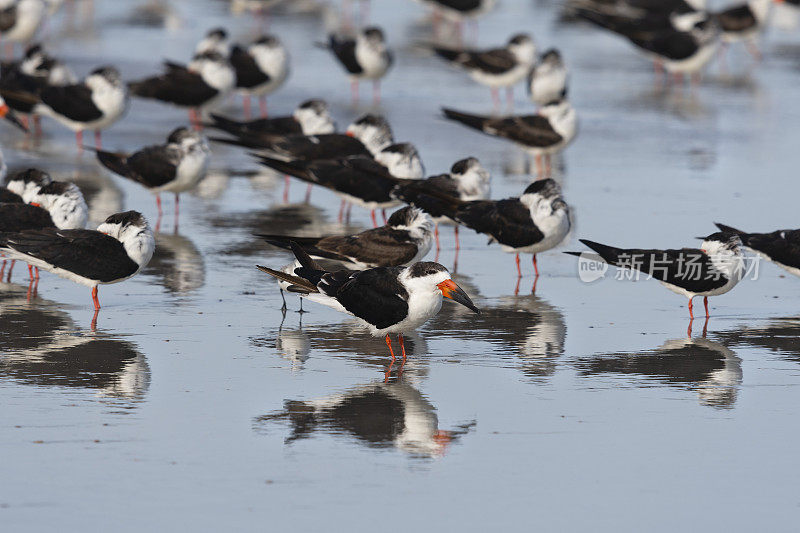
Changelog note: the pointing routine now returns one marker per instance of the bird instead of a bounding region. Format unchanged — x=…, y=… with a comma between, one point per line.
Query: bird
x=311, y=117
x=468, y=181
x=385, y=299
x=8, y=114
x=198, y=86
x=20, y=21
x=23, y=81
x=216, y=40
x=782, y=247
x=548, y=132
x=744, y=22
x=363, y=180
x=261, y=68
x=495, y=67
x=547, y=80
x=119, y=248
x=364, y=57
x=535, y=222
x=458, y=11
x=713, y=269
x=406, y=238
x=95, y=103
x=176, y=166
x=26, y=184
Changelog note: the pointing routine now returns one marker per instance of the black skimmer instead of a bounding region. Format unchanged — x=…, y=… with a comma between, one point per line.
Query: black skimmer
x=26, y=184
x=311, y=117
x=364, y=57
x=376, y=415
x=116, y=251
x=547, y=80
x=20, y=21
x=386, y=299
x=496, y=67
x=261, y=68
x=216, y=40
x=744, y=22
x=713, y=269
x=93, y=104
x=543, y=134
x=176, y=166
x=201, y=85
x=782, y=247
x=468, y=181
x=406, y=238
x=362, y=180
x=23, y=81
x=537, y=221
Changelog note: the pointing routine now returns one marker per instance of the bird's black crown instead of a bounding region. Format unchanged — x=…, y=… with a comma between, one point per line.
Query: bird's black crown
x=55, y=187
x=219, y=33
x=546, y=188
x=425, y=268
x=461, y=167
x=403, y=217
x=31, y=175
x=128, y=218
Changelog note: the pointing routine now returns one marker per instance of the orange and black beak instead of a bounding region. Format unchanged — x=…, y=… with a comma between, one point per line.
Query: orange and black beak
x=9, y=115
x=454, y=292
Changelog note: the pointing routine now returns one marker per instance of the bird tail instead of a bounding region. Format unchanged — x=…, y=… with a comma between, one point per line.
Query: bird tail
x=115, y=162
x=609, y=254
x=296, y=283
x=284, y=167
x=143, y=88
x=728, y=229
x=448, y=54
x=241, y=141
x=435, y=203
x=219, y=122
x=472, y=121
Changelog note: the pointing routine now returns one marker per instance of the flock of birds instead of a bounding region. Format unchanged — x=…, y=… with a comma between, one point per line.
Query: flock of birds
x=378, y=275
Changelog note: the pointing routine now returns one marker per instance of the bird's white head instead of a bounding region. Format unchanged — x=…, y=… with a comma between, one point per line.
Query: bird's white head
x=430, y=282
x=314, y=117
x=562, y=117
x=416, y=222
x=473, y=180
x=373, y=131
x=724, y=249
x=216, y=40
x=27, y=183
x=215, y=70
x=189, y=140
x=374, y=38
x=270, y=54
x=132, y=230
x=104, y=78
x=543, y=198
x=402, y=160
x=64, y=201
x=523, y=48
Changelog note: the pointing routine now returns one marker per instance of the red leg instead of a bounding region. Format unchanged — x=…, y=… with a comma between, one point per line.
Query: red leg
x=519, y=270
x=79, y=140
x=98, y=141
x=691, y=314
x=308, y=192
x=458, y=244
x=374, y=220
x=349, y=212
x=341, y=211
x=495, y=98
x=248, y=114
x=26, y=123
x=538, y=159
x=516, y=289
x=262, y=106
x=354, y=91
x=158, y=204
x=286, y=189
x=436, y=235
x=10, y=270
x=535, y=266
x=36, y=275
x=402, y=346
x=383, y=213
x=94, y=298
x=30, y=272
x=37, y=126
x=389, y=344
x=548, y=165
x=705, y=303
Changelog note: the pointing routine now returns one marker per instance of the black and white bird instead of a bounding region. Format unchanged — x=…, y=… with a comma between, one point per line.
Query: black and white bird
x=19, y=21
x=467, y=180
x=23, y=81
x=175, y=167
x=782, y=247
x=744, y=23
x=198, y=86
x=386, y=299
x=95, y=103
x=547, y=80
x=26, y=184
x=119, y=248
x=713, y=269
x=537, y=221
x=216, y=40
x=543, y=134
x=311, y=117
x=364, y=57
x=261, y=68
x=363, y=180
x=496, y=67
x=406, y=238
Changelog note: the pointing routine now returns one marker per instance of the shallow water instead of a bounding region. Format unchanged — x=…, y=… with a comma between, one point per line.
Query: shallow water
x=196, y=405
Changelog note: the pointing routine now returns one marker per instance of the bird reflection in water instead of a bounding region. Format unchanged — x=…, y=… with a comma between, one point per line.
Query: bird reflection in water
x=377, y=415
x=178, y=263
x=780, y=335
x=41, y=346
x=697, y=363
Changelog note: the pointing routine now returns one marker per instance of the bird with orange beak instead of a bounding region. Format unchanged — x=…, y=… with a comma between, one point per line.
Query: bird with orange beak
x=386, y=300
x=8, y=114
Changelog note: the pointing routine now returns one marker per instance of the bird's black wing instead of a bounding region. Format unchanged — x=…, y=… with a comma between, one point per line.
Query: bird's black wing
x=315, y=147
x=507, y=221
x=687, y=268
x=155, y=165
x=178, y=86
x=345, y=52
x=18, y=217
x=19, y=90
x=781, y=246
x=737, y=18
x=375, y=296
x=380, y=247
x=359, y=176
x=675, y=45
x=437, y=195
x=248, y=74
x=529, y=130
x=8, y=197
x=8, y=17
x=495, y=61
x=87, y=253
x=460, y=5
x=277, y=126
x=72, y=101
